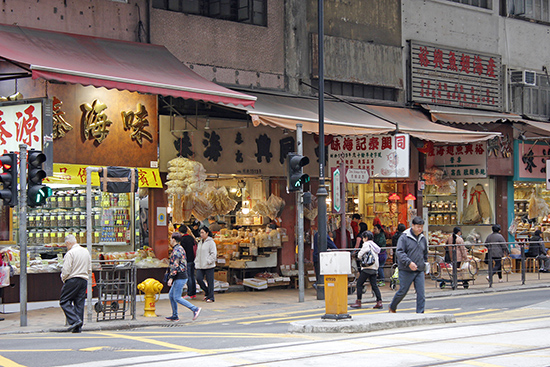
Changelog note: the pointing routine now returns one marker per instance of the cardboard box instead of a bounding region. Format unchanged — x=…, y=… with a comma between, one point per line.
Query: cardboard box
x=222, y=275
x=255, y=283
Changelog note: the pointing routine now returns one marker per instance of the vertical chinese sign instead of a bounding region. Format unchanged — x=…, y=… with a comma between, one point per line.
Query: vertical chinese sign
x=20, y=124
x=457, y=78
x=383, y=156
x=461, y=161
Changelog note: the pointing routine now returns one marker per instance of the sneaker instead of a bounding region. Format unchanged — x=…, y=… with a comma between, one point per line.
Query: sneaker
x=381, y=284
x=196, y=313
x=208, y=300
x=172, y=318
x=189, y=297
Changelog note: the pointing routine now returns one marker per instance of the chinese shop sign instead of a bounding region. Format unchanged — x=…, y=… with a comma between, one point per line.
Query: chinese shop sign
x=383, y=156
x=447, y=76
x=461, y=161
x=75, y=174
x=531, y=160
x=20, y=124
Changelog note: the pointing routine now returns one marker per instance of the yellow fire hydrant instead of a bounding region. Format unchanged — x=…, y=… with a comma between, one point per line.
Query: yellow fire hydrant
x=151, y=287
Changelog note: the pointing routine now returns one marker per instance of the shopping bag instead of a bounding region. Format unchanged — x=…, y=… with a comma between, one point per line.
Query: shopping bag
x=4, y=276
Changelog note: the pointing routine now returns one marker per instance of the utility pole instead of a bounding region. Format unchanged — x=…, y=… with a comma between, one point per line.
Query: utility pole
x=322, y=190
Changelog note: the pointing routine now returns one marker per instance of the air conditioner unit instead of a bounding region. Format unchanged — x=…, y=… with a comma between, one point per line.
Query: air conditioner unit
x=526, y=77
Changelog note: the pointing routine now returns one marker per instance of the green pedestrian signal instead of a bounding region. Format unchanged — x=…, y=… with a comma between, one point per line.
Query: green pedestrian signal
x=36, y=192
x=296, y=178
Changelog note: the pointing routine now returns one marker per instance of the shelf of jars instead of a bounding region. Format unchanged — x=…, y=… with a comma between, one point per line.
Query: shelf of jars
x=442, y=212
x=65, y=213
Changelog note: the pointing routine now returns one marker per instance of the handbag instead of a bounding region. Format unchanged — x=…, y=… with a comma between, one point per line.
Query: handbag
x=166, y=276
x=368, y=259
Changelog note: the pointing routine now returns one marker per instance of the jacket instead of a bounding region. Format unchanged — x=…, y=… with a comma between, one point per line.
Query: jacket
x=330, y=245
x=188, y=242
x=412, y=249
x=496, y=245
x=178, y=264
x=76, y=263
x=536, y=247
x=380, y=240
x=461, y=253
x=206, y=254
x=372, y=246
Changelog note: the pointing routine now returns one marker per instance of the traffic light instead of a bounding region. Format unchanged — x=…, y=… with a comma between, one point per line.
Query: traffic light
x=36, y=192
x=8, y=177
x=296, y=177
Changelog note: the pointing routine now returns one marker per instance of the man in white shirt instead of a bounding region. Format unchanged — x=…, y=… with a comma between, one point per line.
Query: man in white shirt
x=76, y=264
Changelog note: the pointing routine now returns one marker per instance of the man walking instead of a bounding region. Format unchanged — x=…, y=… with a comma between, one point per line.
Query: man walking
x=76, y=264
x=412, y=257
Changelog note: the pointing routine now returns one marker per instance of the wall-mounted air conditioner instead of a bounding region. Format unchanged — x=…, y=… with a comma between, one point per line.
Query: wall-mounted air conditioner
x=526, y=77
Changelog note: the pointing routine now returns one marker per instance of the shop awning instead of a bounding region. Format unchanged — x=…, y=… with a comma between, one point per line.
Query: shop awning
x=357, y=119
x=468, y=116
x=544, y=127
x=136, y=67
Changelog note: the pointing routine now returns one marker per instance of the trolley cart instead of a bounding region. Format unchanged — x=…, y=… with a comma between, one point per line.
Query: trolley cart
x=116, y=286
x=442, y=272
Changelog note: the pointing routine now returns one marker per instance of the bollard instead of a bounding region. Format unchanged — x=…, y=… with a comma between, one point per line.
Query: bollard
x=151, y=287
x=335, y=266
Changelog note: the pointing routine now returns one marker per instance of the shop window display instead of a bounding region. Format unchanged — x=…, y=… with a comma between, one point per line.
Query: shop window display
x=531, y=210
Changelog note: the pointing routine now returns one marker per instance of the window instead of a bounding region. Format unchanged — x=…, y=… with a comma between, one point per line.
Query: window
x=532, y=100
x=486, y=4
x=359, y=90
x=529, y=9
x=243, y=11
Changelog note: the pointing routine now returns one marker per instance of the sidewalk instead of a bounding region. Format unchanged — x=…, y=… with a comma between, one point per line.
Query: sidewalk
x=48, y=316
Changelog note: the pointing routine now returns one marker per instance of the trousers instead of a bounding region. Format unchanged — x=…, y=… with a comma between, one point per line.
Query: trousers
x=73, y=298
x=175, y=297
x=209, y=275
x=406, y=278
x=363, y=276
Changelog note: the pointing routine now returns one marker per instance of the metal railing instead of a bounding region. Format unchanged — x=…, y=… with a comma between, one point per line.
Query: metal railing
x=475, y=264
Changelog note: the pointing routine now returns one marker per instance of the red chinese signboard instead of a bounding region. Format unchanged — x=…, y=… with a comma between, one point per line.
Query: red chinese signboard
x=452, y=77
x=20, y=124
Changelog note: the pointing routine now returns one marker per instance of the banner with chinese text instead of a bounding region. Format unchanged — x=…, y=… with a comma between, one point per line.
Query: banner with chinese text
x=457, y=78
x=531, y=160
x=384, y=156
x=75, y=174
x=461, y=161
x=20, y=124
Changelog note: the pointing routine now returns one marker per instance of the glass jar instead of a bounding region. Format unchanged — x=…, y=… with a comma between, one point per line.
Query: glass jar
x=46, y=219
x=61, y=220
x=53, y=220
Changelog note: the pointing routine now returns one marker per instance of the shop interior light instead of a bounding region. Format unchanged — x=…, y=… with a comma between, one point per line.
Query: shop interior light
x=410, y=197
x=356, y=201
x=394, y=197
x=246, y=207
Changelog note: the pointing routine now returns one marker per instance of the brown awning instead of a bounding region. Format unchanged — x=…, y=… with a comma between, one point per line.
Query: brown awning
x=357, y=119
x=468, y=116
x=101, y=62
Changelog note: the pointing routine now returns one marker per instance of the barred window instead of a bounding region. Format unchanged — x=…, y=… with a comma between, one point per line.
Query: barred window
x=486, y=4
x=243, y=11
x=532, y=100
x=529, y=9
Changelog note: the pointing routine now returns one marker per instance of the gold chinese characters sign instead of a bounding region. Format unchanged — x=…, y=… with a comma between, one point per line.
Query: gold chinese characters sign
x=137, y=122
x=75, y=174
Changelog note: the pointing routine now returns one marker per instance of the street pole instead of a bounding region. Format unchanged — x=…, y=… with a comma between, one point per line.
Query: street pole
x=23, y=234
x=322, y=190
x=343, y=224
x=89, y=171
x=300, y=218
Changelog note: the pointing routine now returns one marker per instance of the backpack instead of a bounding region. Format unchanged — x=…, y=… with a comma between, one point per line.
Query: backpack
x=368, y=259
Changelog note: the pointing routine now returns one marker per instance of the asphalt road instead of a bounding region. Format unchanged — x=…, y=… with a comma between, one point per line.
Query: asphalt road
x=488, y=325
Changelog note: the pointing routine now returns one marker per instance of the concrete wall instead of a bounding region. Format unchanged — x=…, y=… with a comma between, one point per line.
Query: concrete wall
x=226, y=52
x=520, y=43
x=100, y=18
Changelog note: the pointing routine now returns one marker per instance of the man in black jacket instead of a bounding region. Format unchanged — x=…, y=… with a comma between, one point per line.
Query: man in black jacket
x=188, y=243
x=412, y=257
x=496, y=244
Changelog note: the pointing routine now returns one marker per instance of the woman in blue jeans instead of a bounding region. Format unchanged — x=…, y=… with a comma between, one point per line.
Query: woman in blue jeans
x=178, y=278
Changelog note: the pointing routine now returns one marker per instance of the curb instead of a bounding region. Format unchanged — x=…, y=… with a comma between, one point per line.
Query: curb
x=368, y=323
